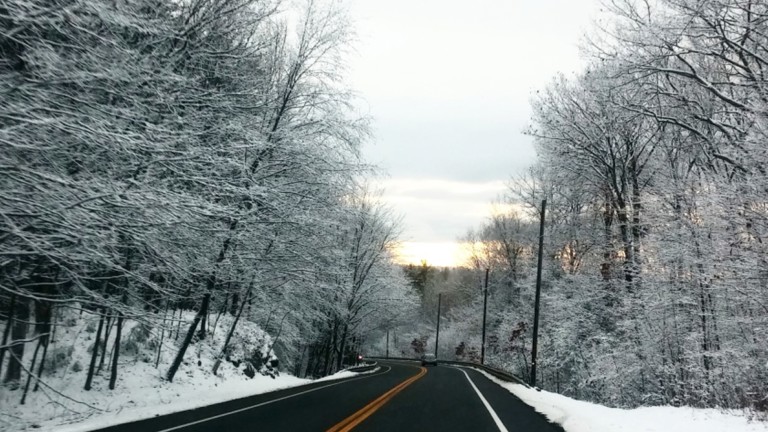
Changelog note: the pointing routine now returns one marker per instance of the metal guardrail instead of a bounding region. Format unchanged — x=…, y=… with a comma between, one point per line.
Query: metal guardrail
x=498, y=373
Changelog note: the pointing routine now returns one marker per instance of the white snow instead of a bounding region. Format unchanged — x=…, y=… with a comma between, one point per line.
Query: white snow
x=346, y=374
x=141, y=391
x=579, y=416
x=129, y=404
x=169, y=399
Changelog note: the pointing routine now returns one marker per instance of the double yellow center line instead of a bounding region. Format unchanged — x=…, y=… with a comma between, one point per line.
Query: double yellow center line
x=357, y=418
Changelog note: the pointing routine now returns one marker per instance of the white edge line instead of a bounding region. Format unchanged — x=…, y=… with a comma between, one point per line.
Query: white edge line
x=495, y=417
x=239, y=410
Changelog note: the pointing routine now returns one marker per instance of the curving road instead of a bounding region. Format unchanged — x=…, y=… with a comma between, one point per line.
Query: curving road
x=401, y=396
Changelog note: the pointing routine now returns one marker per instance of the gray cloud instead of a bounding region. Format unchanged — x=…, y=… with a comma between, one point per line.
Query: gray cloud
x=448, y=84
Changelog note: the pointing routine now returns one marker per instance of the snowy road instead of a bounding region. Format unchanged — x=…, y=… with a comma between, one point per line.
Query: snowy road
x=400, y=397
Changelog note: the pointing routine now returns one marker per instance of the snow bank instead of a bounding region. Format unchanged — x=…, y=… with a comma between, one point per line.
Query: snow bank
x=143, y=401
x=141, y=389
x=346, y=374
x=579, y=416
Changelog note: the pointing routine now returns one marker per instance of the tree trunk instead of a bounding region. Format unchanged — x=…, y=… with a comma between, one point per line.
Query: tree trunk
x=116, y=356
x=29, y=373
x=328, y=364
x=162, y=336
x=233, y=306
x=47, y=341
x=322, y=361
x=184, y=345
x=626, y=239
x=95, y=353
x=311, y=361
x=230, y=333
x=178, y=325
x=109, y=323
x=222, y=309
x=637, y=229
x=342, y=347
x=7, y=330
x=44, y=317
x=18, y=332
x=211, y=283
x=204, y=313
x=297, y=367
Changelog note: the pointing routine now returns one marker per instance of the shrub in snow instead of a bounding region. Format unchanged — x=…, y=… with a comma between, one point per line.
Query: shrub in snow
x=59, y=357
x=137, y=339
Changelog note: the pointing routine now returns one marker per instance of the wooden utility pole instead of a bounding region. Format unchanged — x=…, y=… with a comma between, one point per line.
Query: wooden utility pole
x=437, y=333
x=485, y=309
x=535, y=347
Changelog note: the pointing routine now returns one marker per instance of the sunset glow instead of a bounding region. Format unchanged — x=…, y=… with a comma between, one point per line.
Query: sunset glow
x=438, y=254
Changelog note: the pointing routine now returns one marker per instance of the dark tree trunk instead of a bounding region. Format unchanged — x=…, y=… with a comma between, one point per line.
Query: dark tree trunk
x=44, y=328
x=637, y=228
x=342, y=347
x=40, y=370
x=233, y=305
x=18, y=332
x=116, y=356
x=178, y=323
x=328, y=363
x=626, y=239
x=230, y=333
x=162, y=337
x=29, y=373
x=104, y=344
x=297, y=367
x=211, y=282
x=7, y=330
x=317, y=358
x=311, y=361
x=204, y=314
x=184, y=345
x=319, y=368
x=222, y=309
x=95, y=353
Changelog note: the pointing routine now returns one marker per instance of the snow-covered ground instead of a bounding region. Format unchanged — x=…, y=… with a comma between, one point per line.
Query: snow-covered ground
x=166, y=400
x=141, y=391
x=346, y=374
x=141, y=401
x=578, y=416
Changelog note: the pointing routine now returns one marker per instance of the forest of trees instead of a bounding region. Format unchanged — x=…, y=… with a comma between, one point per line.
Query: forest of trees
x=653, y=164
x=163, y=163
x=164, y=156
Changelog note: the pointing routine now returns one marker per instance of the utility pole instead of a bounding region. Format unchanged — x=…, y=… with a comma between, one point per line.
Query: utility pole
x=485, y=308
x=387, y=355
x=535, y=347
x=437, y=333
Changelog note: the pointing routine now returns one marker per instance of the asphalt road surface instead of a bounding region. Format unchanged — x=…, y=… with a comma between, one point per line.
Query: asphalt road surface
x=401, y=396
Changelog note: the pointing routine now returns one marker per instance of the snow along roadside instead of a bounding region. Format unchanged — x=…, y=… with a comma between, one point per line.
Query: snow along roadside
x=579, y=416
x=187, y=398
x=346, y=374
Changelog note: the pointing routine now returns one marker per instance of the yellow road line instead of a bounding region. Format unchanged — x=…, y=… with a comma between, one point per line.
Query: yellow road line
x=355, y=419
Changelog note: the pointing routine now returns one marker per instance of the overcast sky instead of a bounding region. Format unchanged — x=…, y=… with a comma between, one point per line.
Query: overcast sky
x=447, y=84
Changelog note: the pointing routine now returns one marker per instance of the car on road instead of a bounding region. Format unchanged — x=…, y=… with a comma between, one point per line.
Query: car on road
x=428, y=359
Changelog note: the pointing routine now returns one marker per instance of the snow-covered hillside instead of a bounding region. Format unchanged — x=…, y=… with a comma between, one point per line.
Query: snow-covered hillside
x=141, y=390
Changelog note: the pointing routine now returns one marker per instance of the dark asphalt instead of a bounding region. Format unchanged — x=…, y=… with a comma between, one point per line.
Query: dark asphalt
x=441, y=400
